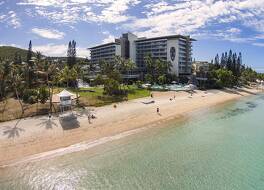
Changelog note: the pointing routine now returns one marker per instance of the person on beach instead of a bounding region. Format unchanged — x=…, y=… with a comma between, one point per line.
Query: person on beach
x=151, y=95
x=158, y=110
x=89, y=118
x=49, y=116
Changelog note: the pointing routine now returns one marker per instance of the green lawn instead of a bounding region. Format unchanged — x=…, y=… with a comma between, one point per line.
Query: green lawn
x=94, y=96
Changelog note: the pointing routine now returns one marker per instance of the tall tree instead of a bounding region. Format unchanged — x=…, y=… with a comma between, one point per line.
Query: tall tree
x=223, y=62
x=234, y=65
x=217, y=62
x=4, y=74
x=229, y=60
x=30, y=67
x=17, y=84
x=29, y=52
x=71, y=54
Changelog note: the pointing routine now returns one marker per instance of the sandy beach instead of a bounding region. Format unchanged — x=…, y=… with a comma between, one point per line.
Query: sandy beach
x=20, y=139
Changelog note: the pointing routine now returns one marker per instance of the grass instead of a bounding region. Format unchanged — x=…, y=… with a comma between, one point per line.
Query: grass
x=94, y=96
x=88, y=97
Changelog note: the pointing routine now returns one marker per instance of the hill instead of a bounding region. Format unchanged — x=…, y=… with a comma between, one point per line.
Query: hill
x=9, y=52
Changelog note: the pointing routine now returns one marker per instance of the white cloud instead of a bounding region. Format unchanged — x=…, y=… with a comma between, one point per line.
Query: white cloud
x=228, y=34
x=234, y=30
x=187, y=17
x=48, y=33
x=109, y=39
x=11, y=19
x=13, y=45
x=258, y=44
x=60, y=50
x=72, y=11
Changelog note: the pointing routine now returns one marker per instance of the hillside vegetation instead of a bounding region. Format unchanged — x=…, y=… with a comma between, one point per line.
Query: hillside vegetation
x=8, y=52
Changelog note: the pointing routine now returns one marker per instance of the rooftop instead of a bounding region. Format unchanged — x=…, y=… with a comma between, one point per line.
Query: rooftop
x=107, y=44
x=165, y=37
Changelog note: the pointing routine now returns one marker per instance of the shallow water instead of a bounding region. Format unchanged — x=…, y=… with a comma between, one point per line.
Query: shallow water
x=219, y=148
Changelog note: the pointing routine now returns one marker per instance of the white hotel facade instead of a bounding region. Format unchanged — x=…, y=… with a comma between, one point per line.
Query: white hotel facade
x=175, y=48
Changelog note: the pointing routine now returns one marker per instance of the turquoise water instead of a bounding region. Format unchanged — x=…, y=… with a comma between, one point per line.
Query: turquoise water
x=220, y=148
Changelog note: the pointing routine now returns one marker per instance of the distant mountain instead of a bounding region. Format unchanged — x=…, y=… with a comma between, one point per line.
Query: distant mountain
x=8, y=52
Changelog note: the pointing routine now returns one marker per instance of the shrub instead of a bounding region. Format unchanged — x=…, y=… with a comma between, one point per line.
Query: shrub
x=111, y=87
x=139, y=84
x=148, y=78
x=225, y=78
x=30, y=96
x=162, y=79
x=98, y=80
x=43, y=95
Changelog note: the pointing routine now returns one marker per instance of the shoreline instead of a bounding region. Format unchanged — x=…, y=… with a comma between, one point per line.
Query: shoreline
x=128, y=118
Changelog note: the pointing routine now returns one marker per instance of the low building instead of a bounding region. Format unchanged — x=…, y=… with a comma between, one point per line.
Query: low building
x=175, y=48
x=200, y=66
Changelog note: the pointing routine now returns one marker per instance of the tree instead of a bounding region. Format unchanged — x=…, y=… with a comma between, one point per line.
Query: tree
x=223, y=61
x=229, y=60
x=17, y=84
x=5, y=68
x=225, y=78
x=217, y=62
x=29, y=70
x=235, y=68
x=111, y=87
x=156, y=68
x=17, y=58
x=148, y=78
x=29, y=52
x=43, y=94
x=162, y=79
x=249, y=75
x=65, y=75
x=71, y=54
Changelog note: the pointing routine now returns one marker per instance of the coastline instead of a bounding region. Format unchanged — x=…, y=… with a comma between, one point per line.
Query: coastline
x=35, y=139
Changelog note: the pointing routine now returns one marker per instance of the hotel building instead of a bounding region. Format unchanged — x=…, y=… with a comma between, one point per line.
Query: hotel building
x=175, y=48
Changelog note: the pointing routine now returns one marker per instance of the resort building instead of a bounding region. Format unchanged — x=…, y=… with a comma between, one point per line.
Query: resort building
x=200, y=66
x=105, y=52
x=175, y=48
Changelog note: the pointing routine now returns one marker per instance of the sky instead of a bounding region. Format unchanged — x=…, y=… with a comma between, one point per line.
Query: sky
x=217, y=25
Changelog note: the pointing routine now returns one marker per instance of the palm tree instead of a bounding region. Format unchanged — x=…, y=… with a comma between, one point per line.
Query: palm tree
x=124, y=66
x=4, y=73
x=65, y=75
x=17, y=82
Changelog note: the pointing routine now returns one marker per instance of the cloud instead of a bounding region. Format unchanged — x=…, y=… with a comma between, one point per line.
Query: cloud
x=48, y=33
x=258, y=44
x=226, y=34
x=188, y=17
x=72, y=11
x=60, y=50
x=109, y=39
x=11, y=19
